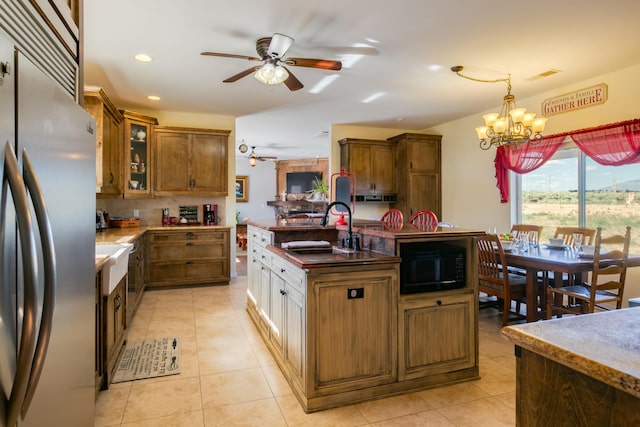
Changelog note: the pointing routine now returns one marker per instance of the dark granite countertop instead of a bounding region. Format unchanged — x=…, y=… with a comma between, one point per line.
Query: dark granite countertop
x=604, y=346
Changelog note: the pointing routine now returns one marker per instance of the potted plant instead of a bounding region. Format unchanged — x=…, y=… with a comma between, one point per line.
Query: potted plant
x=320, y=190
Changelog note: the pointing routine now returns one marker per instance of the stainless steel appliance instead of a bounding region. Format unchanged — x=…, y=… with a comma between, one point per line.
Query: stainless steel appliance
x=47, y=238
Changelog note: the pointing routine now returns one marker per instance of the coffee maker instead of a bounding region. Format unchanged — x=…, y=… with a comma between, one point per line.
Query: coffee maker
x=209, y=212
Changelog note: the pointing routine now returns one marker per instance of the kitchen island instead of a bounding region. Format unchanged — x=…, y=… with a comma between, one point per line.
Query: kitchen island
x=337, y=324
x=580, y=370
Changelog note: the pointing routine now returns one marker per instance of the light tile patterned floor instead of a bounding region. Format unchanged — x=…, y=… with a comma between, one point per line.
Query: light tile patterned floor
x=228, y=377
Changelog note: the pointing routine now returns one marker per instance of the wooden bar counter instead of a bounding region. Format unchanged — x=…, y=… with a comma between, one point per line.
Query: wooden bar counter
x=578, y=371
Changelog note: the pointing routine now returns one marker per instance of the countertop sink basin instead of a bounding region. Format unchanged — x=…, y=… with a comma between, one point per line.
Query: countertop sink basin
x=311, y=251
x=115, y=266
x=322, y=250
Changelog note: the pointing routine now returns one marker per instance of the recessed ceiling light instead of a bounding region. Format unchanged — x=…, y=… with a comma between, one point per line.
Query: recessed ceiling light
x=400, y=119
x=153, y=98
x=143, y=58
x=434, y=67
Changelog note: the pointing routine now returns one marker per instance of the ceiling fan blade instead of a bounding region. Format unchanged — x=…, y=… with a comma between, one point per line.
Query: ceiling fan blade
x=279, y=45
x=230, y=55
x=241, y=74
x=292, y=81
x=324, y=64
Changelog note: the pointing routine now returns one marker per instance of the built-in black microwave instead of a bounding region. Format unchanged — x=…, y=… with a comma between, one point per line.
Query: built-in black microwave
x=431, y=266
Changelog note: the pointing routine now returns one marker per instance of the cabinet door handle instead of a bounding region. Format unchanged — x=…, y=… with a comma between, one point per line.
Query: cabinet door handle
x=189, y=244
x=190, y=234
x=282, y=270
x=113, y=178
x=439, y=302
x=189, y=262
x=283, y=292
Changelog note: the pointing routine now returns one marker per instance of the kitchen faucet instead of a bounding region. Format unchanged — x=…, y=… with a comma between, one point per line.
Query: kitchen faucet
x=326, y=214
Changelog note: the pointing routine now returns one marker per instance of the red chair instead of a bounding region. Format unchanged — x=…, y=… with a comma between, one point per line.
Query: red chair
x=393, y=218
x=424, y=220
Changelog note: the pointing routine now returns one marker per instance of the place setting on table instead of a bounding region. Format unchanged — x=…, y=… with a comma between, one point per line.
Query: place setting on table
x=537, y=259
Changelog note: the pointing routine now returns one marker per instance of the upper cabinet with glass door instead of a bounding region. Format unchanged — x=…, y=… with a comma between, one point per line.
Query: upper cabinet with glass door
x=138, y=163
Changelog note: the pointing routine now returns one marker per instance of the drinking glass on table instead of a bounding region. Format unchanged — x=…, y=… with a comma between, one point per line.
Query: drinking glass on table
x=533, y=239
x=577, y=242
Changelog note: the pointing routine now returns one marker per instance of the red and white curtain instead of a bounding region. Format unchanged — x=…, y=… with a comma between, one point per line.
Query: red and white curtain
x=611, y=145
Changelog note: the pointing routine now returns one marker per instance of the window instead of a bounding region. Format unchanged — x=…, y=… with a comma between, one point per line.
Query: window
x=571, y=189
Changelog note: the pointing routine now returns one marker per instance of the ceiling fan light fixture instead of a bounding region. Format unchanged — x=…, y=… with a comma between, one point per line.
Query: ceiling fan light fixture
x=271, y=75
x=252, y=161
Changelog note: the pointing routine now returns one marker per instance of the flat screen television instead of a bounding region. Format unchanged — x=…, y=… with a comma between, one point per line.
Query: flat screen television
x=301, y=182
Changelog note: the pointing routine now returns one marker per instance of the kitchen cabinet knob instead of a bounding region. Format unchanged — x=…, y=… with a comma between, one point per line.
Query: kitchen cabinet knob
x=282, y=270
x=189, y=262
x=190, y=234
x=439, y=302
x=189, y=244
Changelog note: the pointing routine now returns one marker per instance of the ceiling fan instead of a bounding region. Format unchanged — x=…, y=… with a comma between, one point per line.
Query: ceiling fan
x=271, y=51
x=253, y=157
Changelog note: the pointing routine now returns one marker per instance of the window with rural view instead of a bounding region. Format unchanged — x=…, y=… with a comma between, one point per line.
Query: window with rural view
x=554, y=195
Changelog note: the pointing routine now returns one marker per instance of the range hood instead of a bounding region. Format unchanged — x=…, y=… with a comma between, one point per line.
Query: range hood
x=376, y=197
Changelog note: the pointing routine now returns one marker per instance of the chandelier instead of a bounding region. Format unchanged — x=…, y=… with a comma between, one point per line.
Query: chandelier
x=512, y=125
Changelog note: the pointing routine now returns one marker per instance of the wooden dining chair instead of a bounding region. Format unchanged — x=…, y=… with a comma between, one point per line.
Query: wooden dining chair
x=492, y=280
x=566, y=233
x=393, y=218
x=606, y=284
x=424, y=220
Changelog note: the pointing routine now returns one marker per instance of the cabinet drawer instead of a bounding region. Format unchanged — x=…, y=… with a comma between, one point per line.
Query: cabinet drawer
x=291, y=274
x=188, y=236
x=261, y=254
x=187, y=251
x=259, y=236
x=197, y=271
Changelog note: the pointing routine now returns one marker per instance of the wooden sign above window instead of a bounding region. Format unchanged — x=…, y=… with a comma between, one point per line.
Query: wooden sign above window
x=582, y=98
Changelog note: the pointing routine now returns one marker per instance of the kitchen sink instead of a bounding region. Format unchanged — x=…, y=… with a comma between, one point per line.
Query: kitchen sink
x=322, y=250
x=116, y=265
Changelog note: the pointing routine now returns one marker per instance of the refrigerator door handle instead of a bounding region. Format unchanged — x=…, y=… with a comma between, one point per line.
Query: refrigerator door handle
x=49, y=294
x=13, y=178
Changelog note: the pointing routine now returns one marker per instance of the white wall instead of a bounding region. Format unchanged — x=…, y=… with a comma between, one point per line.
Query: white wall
x=262, y=188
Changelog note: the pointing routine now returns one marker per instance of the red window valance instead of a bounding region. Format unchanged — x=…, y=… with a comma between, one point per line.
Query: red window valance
x=613, y=144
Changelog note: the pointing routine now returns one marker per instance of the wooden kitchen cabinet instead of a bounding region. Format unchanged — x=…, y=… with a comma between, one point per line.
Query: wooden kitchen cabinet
x=190, y=256
x=115, y=326
x=418, y=173
x=372, y=162
x=436, y=334
x=352, y=330
x=138, y=157
x=109, y=123
x=136, y=273
x=190, y=161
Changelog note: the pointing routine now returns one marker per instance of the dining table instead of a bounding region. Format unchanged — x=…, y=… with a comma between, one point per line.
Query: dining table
x=560, y=260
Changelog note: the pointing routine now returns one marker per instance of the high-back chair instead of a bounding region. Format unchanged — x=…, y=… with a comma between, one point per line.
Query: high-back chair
x=566, y=233
x=492, y=280
x=532, y=231
x=607, y=279
x=393, y=218
x=424, y=220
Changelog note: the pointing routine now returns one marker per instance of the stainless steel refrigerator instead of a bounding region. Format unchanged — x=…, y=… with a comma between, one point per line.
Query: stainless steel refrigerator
x=47, y=238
